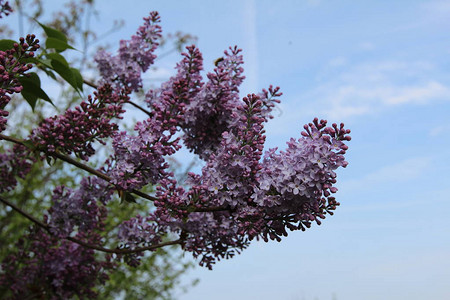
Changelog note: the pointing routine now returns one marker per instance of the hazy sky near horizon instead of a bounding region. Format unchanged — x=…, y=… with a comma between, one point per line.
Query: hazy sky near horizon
x=382, y=68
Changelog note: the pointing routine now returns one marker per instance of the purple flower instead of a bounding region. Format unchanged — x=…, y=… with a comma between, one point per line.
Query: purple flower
x=296, y=184
x=76, y=130
x=15, y=162
x=46, y=267
x=140, y=232
x=135, y=56
x=77, y=210
x=208, y=114
x=140, y=159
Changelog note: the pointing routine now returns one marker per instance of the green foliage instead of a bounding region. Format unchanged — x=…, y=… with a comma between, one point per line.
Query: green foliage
x=156, y=278
x=6, y=44
x=32, y=89
x=53, y=33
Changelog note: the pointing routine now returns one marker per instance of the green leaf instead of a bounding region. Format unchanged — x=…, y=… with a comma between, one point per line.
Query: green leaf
x=6, y=44
x=29, y=144
x=56, y=57
x=56, y=44
x=30, y=97
x=32, y=89
x=126, y=197
x=71, y=75
x=65, y=72
x=49, y=160
x=53, y=33
x=45, y=62
x=37, y=62
x=50, y=74
x=78, y=78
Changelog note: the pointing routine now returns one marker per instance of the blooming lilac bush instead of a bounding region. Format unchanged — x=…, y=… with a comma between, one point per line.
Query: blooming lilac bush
x=240, y=195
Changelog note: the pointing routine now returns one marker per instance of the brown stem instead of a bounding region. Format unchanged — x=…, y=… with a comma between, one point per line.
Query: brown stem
x=212, y=209
x=84, y=244
x=89, y=83
x=140, y=108
x=97, y=173
x=23, y=213
x=10, y=139
x=93, y=85
x=124, y=251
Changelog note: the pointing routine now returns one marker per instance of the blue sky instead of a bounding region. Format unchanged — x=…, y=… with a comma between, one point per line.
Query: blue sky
x=382, y=68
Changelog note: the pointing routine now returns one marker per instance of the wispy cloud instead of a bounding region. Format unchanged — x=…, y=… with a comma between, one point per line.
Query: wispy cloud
x=436, y=10
x=366, y=46
x=373, y=87
x=338, y=61
x=440, y=130
x=349, y=100
x=403, y=171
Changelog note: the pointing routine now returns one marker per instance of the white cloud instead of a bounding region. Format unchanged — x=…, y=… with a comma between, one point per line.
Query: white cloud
x=403, y=171
x=439, y=130
x=373, y=87
x=418, y=94
x=366, y=46
x=352, y=100
x=342, y=111
x=338, y=61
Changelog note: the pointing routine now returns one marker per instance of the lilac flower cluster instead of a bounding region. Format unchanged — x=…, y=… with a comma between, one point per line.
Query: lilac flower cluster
x=76, y=130
x=77, y=210
x=228, y=181
x=135, y=56
x=15, y=162
x=11, y=68
x=140, y=159
x=295, y=186
x=169, y=102
x=5, y=8
x=269, y=98
x=215, y=100
x=215, y=103
x=238, y=198
x=45, y=267
x=140, y=231
x=230, y=172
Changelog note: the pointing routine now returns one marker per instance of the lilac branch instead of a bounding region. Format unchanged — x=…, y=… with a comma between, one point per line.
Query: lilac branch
x=139, y=107
x=78, y=165
x=103, y=176
x=25, y=214
x=84, y=244
x=93, y=85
